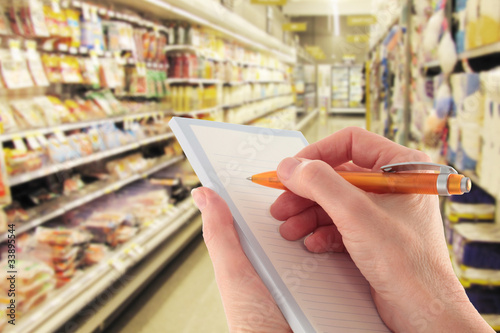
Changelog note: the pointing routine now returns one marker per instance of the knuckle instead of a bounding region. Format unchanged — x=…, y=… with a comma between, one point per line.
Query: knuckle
x=310, y=173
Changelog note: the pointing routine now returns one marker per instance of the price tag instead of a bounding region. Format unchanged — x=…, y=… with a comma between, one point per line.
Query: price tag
x=60, y=136
x=42, y=139
x=141, y=69
x=56, y=8
x=93, y=14
x=83, y=50
x=19, y=144
x=94, y=57
x=86, y=11
x=32, y=142
x=118, y=265
x=15, y=48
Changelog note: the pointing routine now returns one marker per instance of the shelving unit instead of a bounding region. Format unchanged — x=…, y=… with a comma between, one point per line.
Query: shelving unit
x=67, y=301
x=158, y=240
x=100, y=189
x=79, y=125
x=23, y=178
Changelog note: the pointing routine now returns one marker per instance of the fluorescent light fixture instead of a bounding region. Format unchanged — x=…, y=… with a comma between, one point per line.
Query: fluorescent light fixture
x=336, y=17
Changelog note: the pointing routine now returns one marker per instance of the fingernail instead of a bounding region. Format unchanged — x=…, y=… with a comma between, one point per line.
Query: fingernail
x=286, y=167
x=199, y=198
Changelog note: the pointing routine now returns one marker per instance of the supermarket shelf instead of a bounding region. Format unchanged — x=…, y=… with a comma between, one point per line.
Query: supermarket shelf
x=307, y=119
x=263, y=114
x=347, y=110
x=480, y=51
x=79, y=125
x=69, y=300
x=229, y=106
x=493, y=320
x=197, y=112
x=193, y=81
x=108, y=187
x=23, y=178
x=239, y=83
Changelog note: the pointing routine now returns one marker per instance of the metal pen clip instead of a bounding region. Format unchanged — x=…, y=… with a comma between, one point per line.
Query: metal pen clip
x=419, y=166
x=442, y=180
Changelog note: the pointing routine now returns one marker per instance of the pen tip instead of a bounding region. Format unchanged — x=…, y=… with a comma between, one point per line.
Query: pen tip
x=249, y=178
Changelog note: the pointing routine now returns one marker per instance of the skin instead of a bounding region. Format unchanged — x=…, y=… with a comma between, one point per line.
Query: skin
x=396, y=241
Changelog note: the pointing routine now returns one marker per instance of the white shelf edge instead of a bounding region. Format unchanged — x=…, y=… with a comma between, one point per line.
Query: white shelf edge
x=231, y=106
x=72, y=126
x=23, y=178
x=197, y=112
x=263, y=114
x=193, y=81
x=480, y=51
x=304, y=122
x=91, y=196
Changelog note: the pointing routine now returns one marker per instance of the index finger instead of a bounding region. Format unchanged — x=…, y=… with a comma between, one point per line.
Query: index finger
x=363, y=148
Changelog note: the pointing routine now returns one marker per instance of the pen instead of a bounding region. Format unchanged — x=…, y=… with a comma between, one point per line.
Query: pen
x=447, y=182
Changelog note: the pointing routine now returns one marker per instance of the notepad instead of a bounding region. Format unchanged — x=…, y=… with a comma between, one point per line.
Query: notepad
x=315, y=292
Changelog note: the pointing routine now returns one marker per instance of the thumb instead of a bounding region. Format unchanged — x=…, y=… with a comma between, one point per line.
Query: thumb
x=318, y=181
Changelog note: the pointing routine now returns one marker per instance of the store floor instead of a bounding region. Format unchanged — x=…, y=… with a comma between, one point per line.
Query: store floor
x=184, y=297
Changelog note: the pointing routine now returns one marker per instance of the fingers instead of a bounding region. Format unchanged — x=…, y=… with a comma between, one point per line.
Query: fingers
x=289, y=204
x=301, y=225
x=325, y=239
x=364, y=148
x=317, y=181
x=220, y=236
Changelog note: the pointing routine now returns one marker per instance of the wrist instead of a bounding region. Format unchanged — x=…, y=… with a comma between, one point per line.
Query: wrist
x=448, y=311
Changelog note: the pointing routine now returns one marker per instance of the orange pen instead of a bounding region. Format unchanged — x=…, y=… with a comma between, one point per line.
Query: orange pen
x=393, y=179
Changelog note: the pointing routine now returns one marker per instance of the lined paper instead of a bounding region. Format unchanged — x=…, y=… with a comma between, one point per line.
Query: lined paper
x=328, y=288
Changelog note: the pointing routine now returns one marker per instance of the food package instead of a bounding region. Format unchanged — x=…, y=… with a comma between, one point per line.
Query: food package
x=73, y=19
x=15, y=73
x=81, y=143
x=62, y=236
x=36, y=68
x=95, y=253
x=52, y=65
x=62, y=110
x=47, y=109
x=70, y=70
x=27, y=114
x=8, y=121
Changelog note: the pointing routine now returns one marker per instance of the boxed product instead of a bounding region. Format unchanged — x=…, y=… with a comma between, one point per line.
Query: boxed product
x=477, y=245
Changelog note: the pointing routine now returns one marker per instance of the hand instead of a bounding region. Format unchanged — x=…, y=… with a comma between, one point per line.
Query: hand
x=397, y=241
x=248, y=305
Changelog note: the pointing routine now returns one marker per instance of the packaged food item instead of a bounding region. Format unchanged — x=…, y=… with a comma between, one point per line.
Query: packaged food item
x=27, y=114
x=90, y=72
x=47, y=109
x=15, y=73
x=73, y=21
x=70, y=70
x=75, y=109
x=62, y=110
x=22, y=161
x=81, y=144
x=35, y=66
x=42, y=195
x=8, y=121
x=35, y=18
x=55, y=19
x=60, y=151
x=51, y=63
x=14, y=10
x=4, y=21
x=95, y=253
x=92, y=31
x=96, y=139
x=90, y=108
x=61, y=236
x=16, y=214
x=73, y=184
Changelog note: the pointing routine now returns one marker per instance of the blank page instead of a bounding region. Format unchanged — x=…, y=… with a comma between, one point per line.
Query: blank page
x=316, y=292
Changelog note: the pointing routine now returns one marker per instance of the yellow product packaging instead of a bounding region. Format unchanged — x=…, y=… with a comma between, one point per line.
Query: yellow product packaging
x=76, y=110
x=489, y=22
x=70, y=70
x=8, y=122
x=51, y=63
x=73, y=21
x=62, y=110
